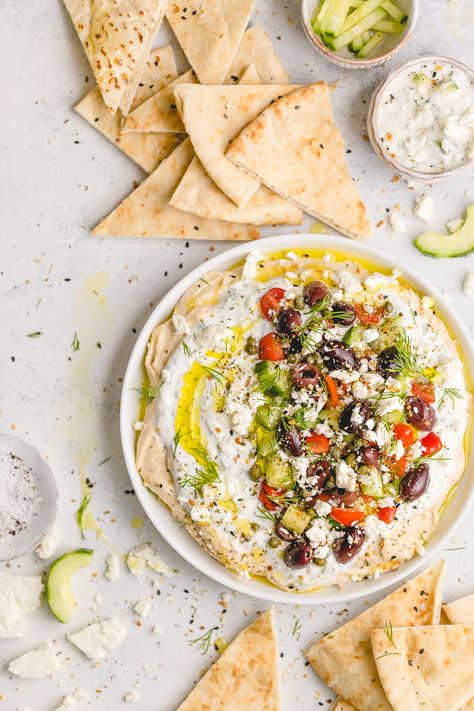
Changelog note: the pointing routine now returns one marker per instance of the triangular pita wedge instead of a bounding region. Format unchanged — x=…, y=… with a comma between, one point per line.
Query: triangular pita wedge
x=460, y=612
x=213, y=116
x=116, y=37
x=209, y=33
x=245, y=677
x=257, y=48
x=147, y=150
x=146, y=211
x=428, y=668
x=250, y=75
x=344, y=660
x=159, y=113
x=296, y=150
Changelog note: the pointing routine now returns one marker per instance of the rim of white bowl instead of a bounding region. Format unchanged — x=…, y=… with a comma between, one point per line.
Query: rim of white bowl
x=350, y=63
x=373, y=129
x=161, y=518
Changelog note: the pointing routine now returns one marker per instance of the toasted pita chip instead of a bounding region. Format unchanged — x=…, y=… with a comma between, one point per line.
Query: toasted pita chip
x=146, y=212
x=159, y=113
x=296, y=150
x=246, y=674
x=209, y=33
x=460, y=612
x=426, y=667
x=344, y=660
x=147, y=150
x=117, y=37
x=213, y=116
x=257, y=48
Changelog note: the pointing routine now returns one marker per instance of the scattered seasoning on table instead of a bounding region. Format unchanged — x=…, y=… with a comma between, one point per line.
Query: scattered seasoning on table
x=19, y=500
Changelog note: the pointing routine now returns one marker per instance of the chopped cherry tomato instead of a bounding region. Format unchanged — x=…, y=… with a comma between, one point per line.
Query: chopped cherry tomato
x=270, y=302
x=347, y=517
x=397, y=466
x=387, y=513
x=431, y=444
x=369, y=318
x=367, y=498
x=404, y=434
x=318, y=443
x=424, y=390
x=332, y=391
x=270, y=348
x=268, y=491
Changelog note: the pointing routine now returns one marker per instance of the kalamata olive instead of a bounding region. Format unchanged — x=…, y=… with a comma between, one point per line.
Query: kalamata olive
x=288, y=321
x=343, y=314
x=336, y=355
x=349, y=545
x=291, y=440
x=388, y=362
x=306, y=375
x=355, y=415
x=317, y=474
x=284, y=534
x=370, y=456
x=415, y=483
x=298, y=555
x=295, y=346
x=419, y=413
x=315, y=292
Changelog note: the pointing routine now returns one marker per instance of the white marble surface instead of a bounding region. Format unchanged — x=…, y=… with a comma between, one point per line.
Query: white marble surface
x=58, y=178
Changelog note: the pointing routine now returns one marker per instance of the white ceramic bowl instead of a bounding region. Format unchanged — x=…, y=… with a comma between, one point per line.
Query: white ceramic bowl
x=24, y=542
x=387, y=49
x=178, y=537
x=374, y=133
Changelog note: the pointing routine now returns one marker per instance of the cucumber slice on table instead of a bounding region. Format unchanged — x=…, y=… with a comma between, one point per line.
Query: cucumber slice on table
x=370, y=46
x=457, y=244
x=58, y=586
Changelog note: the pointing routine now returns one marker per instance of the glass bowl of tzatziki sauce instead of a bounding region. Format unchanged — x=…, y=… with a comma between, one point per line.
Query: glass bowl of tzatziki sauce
x=421, y=118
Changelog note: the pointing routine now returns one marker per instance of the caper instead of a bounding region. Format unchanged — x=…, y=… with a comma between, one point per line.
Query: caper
x=300, y=303
x=254, y=526
x=388, y=307
x=274, y=542
x=251, y=346
x=255, y=472
x=291, y=358
x=364, y=469
x=320, y=562
x=351, y=459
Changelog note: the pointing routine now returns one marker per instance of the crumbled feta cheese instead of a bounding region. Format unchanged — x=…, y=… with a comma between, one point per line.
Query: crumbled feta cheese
x=360, y=391
x=146, y=556
x=424, y=207
x=143, y=607
x=377, y=281
x=455, y=225
x=291, y=255
x=324, y=429
x=396, y=222
x=345, y=376
x=415, y=450
x=112, y=571
x=181, y=326
x=390, y=404
x=19, y=595
x=346, y=477
x=131, y=696
x=249, y=271
x=399, y=450
x=157, y=630
x=381, y=435
x=370, y=334
x=329, y=257
x=322, y=508
x=348, y=282
x=38, y=663
x=48, y=544
x=71, y=700
x=98, y=638
x=468, y=284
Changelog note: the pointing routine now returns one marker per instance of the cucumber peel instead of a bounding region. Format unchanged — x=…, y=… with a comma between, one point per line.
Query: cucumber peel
x=58, y=586
x=457, y=244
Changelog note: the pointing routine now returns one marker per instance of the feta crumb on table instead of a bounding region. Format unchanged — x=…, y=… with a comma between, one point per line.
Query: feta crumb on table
x=424, y=207
x=98, y=638
x=19, y=596
x=112, y=571
x=38, y=663
x=145, y=556
x=48, y=544
x=468, y=284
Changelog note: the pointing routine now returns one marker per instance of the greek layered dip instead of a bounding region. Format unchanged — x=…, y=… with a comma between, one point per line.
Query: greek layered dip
x=307, y=419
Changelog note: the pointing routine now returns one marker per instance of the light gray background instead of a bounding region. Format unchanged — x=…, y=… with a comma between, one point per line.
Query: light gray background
x=59, y=177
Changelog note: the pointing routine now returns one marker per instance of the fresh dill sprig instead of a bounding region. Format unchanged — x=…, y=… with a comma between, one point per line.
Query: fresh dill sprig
x=186, y=349
x=208, y=472
x=297, y=627
x=388, y=396
x=177, y=439
x=451, y=394
x=299, y=417
x=388, y=629
x=146, y=392
x=264, y=513
x=215, y=374
x=204, y=641
x=34, y=334
x=76, y=344
x=405, y=357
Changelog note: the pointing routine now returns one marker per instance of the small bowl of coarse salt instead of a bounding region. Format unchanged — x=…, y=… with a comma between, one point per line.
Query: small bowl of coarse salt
x=28, y=497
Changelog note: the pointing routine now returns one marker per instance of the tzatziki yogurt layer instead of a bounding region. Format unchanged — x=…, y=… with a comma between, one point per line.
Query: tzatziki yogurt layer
x=312, y=419
x=425, y=118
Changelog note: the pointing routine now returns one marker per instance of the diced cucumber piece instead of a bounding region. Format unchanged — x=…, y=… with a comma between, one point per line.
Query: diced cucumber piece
x=353, y=334
x=375, y=486
x=394, y=416
x=389, y=27
x=361, y=13
x=279, y=473
x=266, y=443
x=296, y=520
x=394, y=11
x=366, y=24
x=370, y=46
x=336, y=19
x=456, y=244
x=357, y=44
x=448, y=87
x=268, y=416
x=420, y=77
x=272, y=378
x=58, y=586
